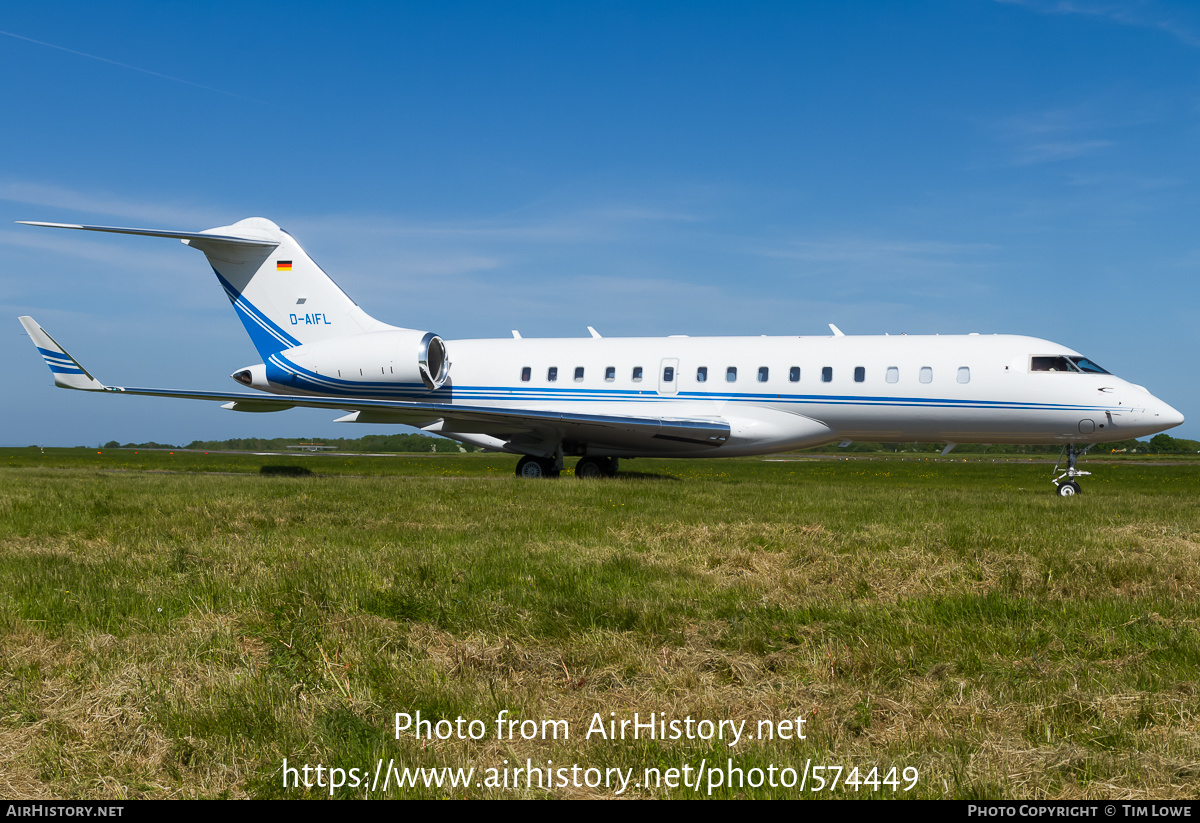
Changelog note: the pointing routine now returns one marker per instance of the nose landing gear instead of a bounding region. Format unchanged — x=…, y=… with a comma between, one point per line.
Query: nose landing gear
x=1068, y=487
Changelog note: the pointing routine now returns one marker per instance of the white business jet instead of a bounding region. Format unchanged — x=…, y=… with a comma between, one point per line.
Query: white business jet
x=606, y=398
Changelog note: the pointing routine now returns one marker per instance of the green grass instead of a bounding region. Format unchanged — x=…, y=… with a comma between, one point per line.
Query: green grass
x=176, y=625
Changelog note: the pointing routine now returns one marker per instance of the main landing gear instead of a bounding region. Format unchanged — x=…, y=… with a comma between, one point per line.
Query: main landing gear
x=534, y=468
x=1069, y=487
x=587, y=467
x=592, y=467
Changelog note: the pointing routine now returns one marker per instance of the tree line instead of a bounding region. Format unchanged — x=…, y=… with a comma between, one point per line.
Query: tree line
x=387, y=443
x=424, y=443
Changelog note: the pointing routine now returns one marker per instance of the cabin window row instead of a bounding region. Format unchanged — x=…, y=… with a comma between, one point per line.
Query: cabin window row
x=891, y=375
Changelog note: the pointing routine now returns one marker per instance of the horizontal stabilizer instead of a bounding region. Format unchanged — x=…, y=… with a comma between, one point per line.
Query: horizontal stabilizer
x=67, y=372
x=180, y=235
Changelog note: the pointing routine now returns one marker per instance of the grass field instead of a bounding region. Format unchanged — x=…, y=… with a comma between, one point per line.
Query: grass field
x=177, y=625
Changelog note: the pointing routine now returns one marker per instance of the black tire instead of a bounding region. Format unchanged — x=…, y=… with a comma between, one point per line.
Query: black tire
x=590, y=468
x=1068, y=489
x=531, y=468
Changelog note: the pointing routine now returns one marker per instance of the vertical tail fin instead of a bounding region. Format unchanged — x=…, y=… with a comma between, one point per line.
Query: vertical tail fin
x=282, y=297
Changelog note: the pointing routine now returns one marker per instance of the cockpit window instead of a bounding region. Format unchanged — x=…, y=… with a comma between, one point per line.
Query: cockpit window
x=1050, y=364
x=1062, y=363
x=1087, y=366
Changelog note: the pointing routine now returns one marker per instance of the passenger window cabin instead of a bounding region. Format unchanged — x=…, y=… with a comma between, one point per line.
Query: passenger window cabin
x=552, y=374
x=892, y=375
x=702, y=374
x=763, y=374
x=579, y=374
x=526, y=373
x=794, y=374
x=827, y=374
x=610, y=374
x=637, y=374
x=860, y=374
x=926, y=374
x=731, y=374
x=964, y=374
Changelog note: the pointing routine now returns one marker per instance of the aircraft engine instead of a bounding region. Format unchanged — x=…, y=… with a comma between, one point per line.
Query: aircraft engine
x=401, y=357
x=432, y=361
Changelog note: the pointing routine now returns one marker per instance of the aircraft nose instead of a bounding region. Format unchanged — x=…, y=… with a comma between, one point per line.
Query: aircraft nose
x=1149, y=416
x=1160, y=415
x=1168, y=416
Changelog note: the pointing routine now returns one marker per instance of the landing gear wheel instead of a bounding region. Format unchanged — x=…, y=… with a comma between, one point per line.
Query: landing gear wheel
x=1065, y=482
x=534, y=468
x=593, y=467
x=590, y=468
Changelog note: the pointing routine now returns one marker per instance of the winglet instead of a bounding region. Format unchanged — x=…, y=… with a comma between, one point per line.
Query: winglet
x=68, y=374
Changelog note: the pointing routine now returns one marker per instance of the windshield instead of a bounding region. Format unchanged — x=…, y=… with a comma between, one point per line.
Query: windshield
x=1063, y=363
x=1087, y=366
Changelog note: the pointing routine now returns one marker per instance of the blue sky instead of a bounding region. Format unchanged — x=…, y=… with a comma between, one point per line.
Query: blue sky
x=646, y=168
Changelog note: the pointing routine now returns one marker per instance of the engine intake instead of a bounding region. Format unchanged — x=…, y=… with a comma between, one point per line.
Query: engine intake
x=432, y=360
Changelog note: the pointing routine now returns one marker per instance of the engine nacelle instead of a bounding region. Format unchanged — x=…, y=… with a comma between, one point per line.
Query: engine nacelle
x=393, y=359
x=253, y=376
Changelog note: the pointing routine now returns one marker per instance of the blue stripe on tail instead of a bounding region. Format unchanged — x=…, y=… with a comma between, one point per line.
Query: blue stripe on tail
x=266, y=335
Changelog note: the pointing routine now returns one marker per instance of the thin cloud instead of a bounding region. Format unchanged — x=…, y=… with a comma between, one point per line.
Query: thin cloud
x=127, y=66
x=562, y=226
x=1139, y=15
x=68, y=244
x=862, y=250
x=1054, y=151
x=56, y=197
x=383, y=228
x=1053, y=136
x=548, y=225
x=852, y=269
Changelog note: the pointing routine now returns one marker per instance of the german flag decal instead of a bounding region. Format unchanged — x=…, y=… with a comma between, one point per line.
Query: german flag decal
x=283, y=265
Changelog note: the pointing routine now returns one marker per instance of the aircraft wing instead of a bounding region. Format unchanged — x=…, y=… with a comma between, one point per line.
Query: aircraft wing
x=516, y=425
